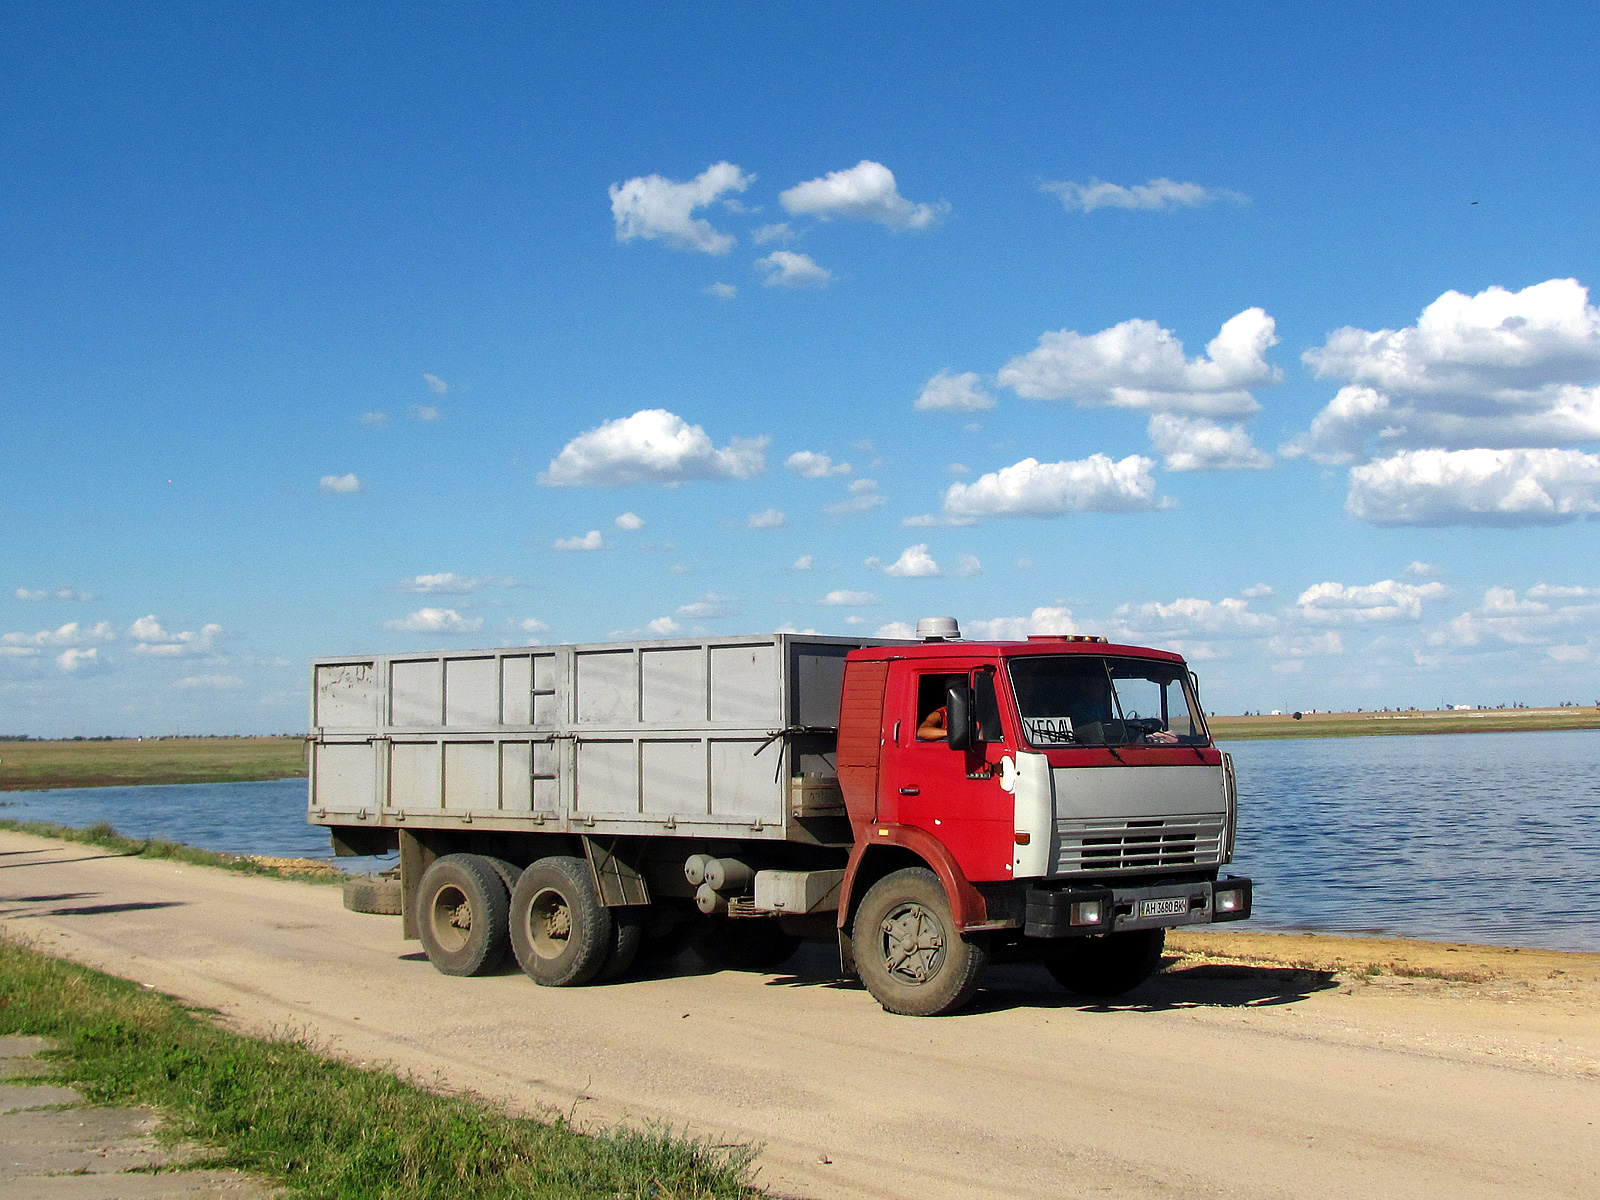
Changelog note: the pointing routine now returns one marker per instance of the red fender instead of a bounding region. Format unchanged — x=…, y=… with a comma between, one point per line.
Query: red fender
x=966, y=902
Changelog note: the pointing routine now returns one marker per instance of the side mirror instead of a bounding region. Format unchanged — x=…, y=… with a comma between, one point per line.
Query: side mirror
x=961, y=726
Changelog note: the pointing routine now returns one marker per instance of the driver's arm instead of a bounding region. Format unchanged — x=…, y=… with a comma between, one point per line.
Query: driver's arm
x=932, y=728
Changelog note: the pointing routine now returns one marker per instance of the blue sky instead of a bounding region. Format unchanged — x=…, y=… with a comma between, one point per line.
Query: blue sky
x=1261, y=335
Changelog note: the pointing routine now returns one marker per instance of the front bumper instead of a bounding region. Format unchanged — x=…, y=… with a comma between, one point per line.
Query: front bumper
x=1079, y=911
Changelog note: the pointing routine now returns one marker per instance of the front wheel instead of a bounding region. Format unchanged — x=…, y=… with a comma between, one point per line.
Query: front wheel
x=1109, y=965
x=910, y=954
x=560, y=931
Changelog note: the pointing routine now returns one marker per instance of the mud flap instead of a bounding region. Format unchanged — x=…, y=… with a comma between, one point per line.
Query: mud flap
x=616, y=882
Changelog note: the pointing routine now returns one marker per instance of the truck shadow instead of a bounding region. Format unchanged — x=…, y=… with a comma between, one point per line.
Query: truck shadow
x=1028, y=985
x=1206, y=985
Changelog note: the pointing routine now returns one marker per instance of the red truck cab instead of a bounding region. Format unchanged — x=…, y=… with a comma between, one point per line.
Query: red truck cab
x=1057, y=798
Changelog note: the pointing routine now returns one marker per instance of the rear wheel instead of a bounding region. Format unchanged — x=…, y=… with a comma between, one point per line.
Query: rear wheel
x=1109, y=965
x=910, y=954
x=746, y=944
x=627, y=936
x=462, y=909
x=560, y=931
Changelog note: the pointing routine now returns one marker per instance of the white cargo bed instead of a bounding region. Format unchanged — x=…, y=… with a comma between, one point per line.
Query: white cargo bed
x=703, y=737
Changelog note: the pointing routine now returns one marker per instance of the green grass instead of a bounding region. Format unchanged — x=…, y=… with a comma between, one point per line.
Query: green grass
x=280, y=1108
x=30, y=766
x=103, y=834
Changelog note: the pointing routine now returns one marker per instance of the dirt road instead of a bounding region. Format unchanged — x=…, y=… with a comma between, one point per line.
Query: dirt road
x=1223, y=1077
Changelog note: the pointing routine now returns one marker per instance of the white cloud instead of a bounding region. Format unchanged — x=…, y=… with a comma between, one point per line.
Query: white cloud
x=1042, y=620
x=448, y=583
x=335, y=485
x=721, y=291
x=812, y=465
x=947, y=392
x=787, y=627
x=208, y=683
x=1500, y=369
x=659, y=209
x=631, y=522
x=896, y=629
x=436, y=385
x=706, y=608
x=652, y=446
x=61, y=593
x=1199, y=444
x=848, y=599
x=156, y=641
x=864, y=192
x=74, y=661
x=1140, y=365
x=1505, y=488
x=1228, y=617
x=588, y=541
x=1257, y=592
x=427, y=412
x=863, y=497
x=803, y=563
x=777, y=232
x=1386, y=600
x=374, y=419
x=786, y=268
x=1545, y=591
x=1535, y=620
x=767, y=518
x=1161, y=195
x=70, y=634
x=1034, y=489
x=1418, y=569
x=435, y=620
x=665, y=626
x=968, y=565
x=532, y=625
x=914, y=563
x=1306, y=645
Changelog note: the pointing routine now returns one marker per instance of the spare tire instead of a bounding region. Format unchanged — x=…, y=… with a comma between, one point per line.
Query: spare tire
x=372, y=894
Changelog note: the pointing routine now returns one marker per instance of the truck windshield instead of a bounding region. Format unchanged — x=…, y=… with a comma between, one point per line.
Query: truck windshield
x=1082, y=700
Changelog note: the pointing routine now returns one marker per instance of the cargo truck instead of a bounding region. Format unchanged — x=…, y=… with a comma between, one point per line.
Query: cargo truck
x=930, y=805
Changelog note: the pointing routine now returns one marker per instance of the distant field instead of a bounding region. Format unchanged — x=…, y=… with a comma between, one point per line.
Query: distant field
x=1375, y=724
x=28, y=766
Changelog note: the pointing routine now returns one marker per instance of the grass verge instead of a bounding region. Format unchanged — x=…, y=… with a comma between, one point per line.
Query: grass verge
x=327, y=1130
x=103, y=834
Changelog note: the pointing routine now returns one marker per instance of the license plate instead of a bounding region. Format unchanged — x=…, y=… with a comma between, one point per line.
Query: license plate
x=1173, y=907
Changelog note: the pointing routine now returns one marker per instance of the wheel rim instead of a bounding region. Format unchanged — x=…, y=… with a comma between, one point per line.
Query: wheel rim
x=912, y=942
x=451, y=918
x=549, y=923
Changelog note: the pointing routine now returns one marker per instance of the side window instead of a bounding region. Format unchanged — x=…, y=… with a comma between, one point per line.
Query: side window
x=987, y=705
x=930, y=716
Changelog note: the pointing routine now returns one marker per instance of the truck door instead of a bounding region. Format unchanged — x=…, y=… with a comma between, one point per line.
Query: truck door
x=953, y=794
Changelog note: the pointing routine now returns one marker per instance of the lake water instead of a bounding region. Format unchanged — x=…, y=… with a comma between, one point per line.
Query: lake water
x=1479, y=837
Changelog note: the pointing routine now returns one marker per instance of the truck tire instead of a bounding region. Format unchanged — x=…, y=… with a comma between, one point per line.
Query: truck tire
x=746, y=944
x=1109, y=965
x=627, y=936
x=560, y=932
x=462, y=915
x=509, y=872
x=368, y=894
x=909, y=952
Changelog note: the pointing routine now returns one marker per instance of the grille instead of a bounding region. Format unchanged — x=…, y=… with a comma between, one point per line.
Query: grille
x=1103, y=847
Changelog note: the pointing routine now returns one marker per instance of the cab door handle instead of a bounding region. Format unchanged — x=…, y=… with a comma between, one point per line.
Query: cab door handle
x=911, y=791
